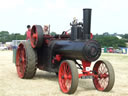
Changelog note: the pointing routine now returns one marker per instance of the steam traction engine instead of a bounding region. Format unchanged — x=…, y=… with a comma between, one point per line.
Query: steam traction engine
x=60, y=53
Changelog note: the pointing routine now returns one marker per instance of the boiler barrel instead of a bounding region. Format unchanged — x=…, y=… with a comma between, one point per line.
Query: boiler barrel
x=83, y=50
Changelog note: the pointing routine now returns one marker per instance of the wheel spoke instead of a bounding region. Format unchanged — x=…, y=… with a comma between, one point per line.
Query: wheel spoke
x=104, y=68
x=34, y=41
x=69, y=77
x=102, y=83
x=106, y=82
x=64, y=69
x=21, y=70
x=99, y=71
x=34, y=38
x=18, y=59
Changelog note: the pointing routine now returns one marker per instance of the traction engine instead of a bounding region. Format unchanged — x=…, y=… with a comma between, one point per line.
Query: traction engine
x=60, y=53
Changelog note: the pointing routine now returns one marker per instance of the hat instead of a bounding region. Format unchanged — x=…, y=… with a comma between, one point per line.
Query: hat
x=46, y=25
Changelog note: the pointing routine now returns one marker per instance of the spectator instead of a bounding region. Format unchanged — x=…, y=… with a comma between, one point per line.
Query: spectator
x=45, y=30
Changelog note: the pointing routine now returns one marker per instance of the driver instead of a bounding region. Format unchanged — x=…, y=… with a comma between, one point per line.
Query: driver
x=45, y=30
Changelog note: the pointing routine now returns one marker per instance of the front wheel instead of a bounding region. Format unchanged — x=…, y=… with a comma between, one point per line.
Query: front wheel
x=68, y=77
x=105, y=78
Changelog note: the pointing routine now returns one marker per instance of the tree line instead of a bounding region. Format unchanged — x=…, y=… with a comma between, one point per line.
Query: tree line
x=104, y=40
x=6, y=37
x=111, y=41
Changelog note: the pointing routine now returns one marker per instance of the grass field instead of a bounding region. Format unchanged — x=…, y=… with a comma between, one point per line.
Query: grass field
x=46, y=84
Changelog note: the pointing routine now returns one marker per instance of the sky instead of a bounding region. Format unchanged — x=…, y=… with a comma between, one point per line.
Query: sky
x=107, y=15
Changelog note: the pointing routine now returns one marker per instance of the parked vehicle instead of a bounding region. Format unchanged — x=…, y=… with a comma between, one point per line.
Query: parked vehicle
x=110, y=50
x=118, y=51
x=3, y=48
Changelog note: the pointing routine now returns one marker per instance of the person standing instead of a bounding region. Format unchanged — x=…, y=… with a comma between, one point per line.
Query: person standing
x=45, y=30
x=28, y=32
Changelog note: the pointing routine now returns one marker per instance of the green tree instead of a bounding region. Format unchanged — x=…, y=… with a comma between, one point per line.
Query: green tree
x=53, y=33
x=6, y=37
x=110, y=41
x=125, y=36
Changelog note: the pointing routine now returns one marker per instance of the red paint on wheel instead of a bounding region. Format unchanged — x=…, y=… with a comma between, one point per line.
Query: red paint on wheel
x=34, y=36
x=101, y=82
x=65, y=77
x=21, y=61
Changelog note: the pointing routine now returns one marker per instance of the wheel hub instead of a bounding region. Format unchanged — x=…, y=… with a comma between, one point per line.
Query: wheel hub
x=20, y=60
x=62, y=77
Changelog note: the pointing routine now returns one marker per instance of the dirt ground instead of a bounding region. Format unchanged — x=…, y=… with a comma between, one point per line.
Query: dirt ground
x=46, y=84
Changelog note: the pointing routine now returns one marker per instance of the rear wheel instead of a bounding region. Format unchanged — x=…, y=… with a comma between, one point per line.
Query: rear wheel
x=68, y=77
x=36, y=36
x=106, y=77
x=26, y=60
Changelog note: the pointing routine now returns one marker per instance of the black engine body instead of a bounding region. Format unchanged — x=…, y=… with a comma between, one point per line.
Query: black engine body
x=76, y=46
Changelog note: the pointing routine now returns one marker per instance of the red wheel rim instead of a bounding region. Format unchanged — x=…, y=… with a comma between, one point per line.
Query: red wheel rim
x=21, y=61
x=101, y=82
x=34, y=36
x=65, y=77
